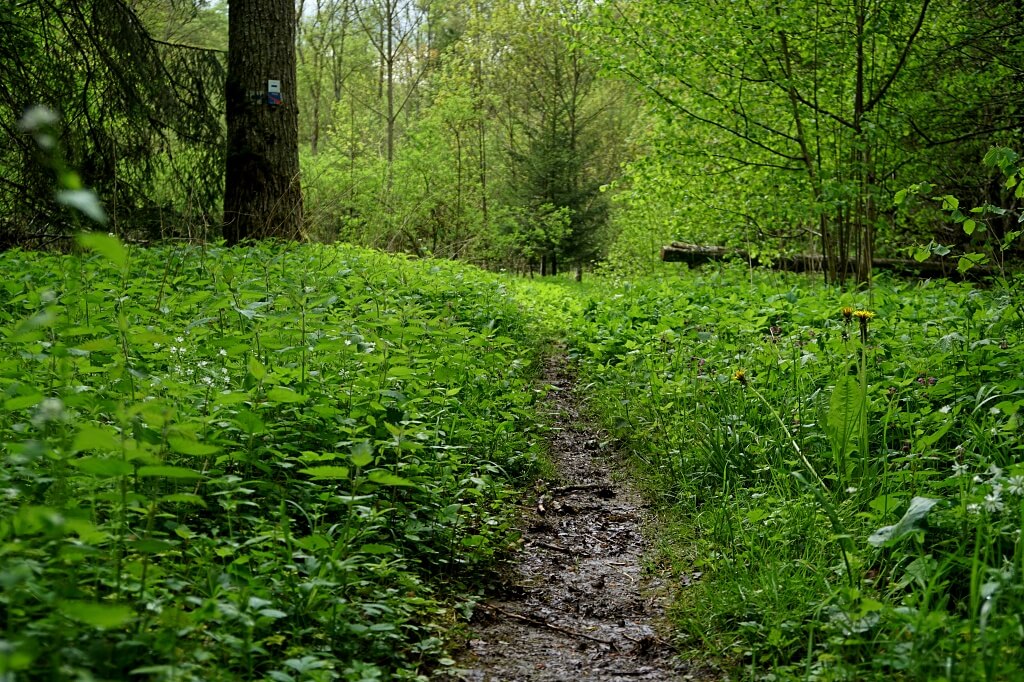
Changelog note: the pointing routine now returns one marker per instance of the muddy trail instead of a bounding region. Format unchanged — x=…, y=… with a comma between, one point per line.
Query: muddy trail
x=578, y=605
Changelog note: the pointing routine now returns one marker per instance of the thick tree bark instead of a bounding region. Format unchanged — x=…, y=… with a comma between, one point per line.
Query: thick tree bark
x=262, y=195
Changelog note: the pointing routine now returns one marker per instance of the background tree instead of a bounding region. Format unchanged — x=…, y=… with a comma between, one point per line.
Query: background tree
x=140, y=119
x=262, y=195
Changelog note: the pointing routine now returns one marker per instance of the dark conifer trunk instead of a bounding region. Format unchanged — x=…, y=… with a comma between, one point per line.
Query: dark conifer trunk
x=262, y=196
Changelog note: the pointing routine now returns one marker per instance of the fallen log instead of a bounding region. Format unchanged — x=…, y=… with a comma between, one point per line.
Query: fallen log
x=695, y=254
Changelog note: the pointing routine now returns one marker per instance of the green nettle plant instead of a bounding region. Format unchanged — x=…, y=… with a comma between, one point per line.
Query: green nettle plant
x=281, y=462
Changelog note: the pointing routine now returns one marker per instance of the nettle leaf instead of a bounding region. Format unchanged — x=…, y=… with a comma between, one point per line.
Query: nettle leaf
x=374, y=548
x=95, y=438
x=98, y=615
x=362, y=454
x=256, y=368
x=911, y=522
x=326, y=472
x=164, y=471
x=388, y=479
x=22, y=402
x=186, y=446
x=282, y=394
x=106, y=245
x=184, y=498
x=103, y=467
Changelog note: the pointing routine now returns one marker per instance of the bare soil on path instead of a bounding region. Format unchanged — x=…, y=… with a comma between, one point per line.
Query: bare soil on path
x=578, y=605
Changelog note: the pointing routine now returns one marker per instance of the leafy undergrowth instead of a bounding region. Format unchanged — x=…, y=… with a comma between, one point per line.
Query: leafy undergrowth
x=849, y=483
x=264, y=463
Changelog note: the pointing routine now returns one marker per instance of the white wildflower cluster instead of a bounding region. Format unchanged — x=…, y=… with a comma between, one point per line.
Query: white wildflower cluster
x=994, y=488
x=207, y=373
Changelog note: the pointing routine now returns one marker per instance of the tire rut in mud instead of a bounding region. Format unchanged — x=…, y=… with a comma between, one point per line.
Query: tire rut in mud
x=577, y=606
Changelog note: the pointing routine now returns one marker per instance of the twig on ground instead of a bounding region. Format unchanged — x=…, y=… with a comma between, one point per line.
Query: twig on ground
x=574, y=488
x=544, y=624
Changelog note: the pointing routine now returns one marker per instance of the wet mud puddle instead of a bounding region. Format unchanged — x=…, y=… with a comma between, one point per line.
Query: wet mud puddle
x=578, y=605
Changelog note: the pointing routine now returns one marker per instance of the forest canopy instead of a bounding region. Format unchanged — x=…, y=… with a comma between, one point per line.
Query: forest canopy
x=543, y=134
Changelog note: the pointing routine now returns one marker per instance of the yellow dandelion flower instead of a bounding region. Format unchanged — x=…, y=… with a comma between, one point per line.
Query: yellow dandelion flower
x=863, y=314
x=740, y=376
x=847, y=313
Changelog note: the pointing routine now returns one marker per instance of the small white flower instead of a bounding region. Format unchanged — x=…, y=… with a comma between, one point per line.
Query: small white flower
x=308, y=290
x=348, y=342
x=973, y=508
x=156, y=345
x=207, y=380
x=995, y=471
x=851, y=490
x=179, y=339
x=1016, y=485
x=223, y=353
x=993, y=503
x=959, y=469
x=945, y=409
x=994, y=411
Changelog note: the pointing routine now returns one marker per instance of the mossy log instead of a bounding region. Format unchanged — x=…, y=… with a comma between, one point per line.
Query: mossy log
x=694, y=254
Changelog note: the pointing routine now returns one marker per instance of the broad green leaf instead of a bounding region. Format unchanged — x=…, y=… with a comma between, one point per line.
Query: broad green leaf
x=103, y=467
x=107, y=245
x=256, y=368
x=22, y=402
x=844, y=409
x=374, y=548
x=151, y=545
x=186, y=446
x=164, y=471
x=969, y=226
x=362, y=454
x=326, y=472
x=184, y=498
x=95, y=438
x=389, y=479
x=910, y=523
x=105, y=344
x=96, y=614
x=885, y=504
x=250, y=422
x=281, y=394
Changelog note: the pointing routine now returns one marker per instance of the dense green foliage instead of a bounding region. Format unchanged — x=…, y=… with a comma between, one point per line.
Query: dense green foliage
x=267, y=463
x=788, y=126
x=847, y=484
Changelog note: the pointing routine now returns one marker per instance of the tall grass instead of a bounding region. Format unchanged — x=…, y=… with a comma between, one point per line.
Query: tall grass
x=851, y=481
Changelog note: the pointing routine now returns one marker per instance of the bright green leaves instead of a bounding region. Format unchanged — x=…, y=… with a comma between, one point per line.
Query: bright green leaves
x=283, y=394
x=844, y=412
x=107, y=245
x=98, y=614
x=285, y=418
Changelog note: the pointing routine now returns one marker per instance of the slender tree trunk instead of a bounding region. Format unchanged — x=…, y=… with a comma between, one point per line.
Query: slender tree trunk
x=262, y=196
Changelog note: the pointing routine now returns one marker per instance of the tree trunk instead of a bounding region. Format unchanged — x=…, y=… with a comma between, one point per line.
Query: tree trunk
x=262, y=194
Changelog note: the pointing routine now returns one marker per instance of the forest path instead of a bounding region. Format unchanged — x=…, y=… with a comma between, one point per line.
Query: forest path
x=577, y=606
